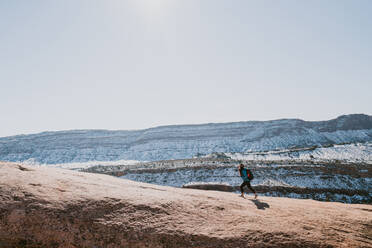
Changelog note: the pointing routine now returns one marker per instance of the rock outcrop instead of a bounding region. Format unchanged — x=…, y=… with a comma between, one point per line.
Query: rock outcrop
x=43, y=207
x=210, y=186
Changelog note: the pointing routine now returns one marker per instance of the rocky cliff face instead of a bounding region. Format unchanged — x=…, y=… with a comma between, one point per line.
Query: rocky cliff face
x=44, y=207
x=183, y=141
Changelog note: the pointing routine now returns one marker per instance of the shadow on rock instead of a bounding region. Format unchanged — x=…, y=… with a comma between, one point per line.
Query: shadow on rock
x=260, y=205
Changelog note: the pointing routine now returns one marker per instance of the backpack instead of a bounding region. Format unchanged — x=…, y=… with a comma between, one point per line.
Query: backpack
x=250, y=174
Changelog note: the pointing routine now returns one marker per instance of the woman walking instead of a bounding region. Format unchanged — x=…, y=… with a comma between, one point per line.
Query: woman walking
x=247, y=176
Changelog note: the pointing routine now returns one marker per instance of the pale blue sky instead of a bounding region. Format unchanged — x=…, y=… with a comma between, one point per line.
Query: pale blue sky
x=138, y=64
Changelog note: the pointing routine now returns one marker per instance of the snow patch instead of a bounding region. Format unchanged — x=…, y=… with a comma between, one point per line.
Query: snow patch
x=83, y=165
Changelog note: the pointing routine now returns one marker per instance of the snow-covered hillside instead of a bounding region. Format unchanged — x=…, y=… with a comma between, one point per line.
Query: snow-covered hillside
x=331, y=180
x=183, y=141
x=348, y=153
x=345, y=183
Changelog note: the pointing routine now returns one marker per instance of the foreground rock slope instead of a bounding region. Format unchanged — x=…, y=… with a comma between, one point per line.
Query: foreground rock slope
x=43, y=207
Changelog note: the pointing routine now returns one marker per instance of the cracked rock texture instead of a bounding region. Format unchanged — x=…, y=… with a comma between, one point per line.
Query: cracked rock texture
x=44, y=207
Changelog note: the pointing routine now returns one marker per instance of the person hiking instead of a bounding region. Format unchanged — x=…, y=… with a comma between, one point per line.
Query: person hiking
x=247, y=176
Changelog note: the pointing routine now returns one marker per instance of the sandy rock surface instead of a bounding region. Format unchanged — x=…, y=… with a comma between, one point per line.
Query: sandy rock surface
x=43, y=207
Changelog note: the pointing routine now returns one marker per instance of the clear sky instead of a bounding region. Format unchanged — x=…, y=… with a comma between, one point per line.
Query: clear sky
x=142, y=63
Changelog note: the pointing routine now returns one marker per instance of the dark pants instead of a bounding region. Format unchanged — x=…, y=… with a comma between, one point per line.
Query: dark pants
x=248, y=184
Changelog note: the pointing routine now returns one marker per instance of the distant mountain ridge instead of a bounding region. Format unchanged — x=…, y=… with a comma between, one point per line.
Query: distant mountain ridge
x=183, y=141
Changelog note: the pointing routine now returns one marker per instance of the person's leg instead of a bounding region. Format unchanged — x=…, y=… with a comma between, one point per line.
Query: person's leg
x=250, y=187
x=241, y=189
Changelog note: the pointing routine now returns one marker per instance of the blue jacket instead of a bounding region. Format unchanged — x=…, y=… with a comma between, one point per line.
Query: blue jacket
x=245, y=175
